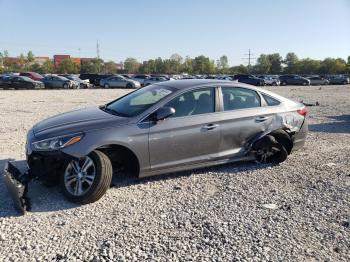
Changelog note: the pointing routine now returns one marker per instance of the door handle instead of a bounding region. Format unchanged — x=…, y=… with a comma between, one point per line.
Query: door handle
x=261, y=118
x=210, y=126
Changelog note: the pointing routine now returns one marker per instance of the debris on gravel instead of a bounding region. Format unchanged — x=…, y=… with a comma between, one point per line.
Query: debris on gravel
x=211, y=214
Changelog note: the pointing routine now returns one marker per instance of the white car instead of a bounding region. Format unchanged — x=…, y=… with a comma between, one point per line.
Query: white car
x=270, y=81
x=152, y=80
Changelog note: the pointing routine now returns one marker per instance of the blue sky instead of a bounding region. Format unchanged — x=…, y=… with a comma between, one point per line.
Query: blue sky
x=159, y=28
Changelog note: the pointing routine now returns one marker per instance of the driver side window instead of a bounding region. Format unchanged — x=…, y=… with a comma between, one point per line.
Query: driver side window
x=196, y=102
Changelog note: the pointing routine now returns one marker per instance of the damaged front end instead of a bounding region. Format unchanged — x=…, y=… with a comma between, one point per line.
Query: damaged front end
x=45, y=166
x=17, y=185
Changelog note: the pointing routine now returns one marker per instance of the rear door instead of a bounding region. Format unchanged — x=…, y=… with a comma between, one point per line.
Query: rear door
x=191, y=136
x=242, y=119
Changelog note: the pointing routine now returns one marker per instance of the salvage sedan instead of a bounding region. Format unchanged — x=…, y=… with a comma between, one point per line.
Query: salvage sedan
x=165, y=127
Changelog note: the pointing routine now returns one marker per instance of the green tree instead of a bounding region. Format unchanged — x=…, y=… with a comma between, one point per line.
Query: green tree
x=291, y=62
x=176, y=61
x=67, y=66
x=131, y=65
x=30, y=57
x=92, y=66
x=333, y=66
x=48, y=67
x=307, y=66
x=110, y=68
x=276, y=63
x=241, y=69
x=222, y=64
x=263, y=64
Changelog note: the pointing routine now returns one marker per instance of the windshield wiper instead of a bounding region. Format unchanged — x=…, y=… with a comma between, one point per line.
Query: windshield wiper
x=106, y=109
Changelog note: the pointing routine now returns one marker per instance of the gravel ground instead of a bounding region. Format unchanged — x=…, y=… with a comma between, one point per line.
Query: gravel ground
x=296, y=211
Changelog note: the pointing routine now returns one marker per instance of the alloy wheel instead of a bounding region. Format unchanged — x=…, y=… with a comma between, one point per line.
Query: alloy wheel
x=79, y=176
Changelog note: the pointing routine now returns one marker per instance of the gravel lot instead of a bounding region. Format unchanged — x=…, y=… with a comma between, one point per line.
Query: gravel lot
x=217, y=213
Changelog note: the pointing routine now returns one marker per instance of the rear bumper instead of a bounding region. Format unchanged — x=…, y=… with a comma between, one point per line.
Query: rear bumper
x=300, y=137
x=17, y=185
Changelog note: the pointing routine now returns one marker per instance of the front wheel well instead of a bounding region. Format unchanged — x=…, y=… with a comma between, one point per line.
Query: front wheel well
x=122, y=158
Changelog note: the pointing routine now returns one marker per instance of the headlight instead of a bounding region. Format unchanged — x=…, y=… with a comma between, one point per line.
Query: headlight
x=56, y=143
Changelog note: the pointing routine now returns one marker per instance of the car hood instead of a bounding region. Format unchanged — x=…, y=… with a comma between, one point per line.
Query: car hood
x=81, y=120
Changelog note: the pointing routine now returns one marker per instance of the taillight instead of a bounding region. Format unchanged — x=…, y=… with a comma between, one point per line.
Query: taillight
x=302, y=111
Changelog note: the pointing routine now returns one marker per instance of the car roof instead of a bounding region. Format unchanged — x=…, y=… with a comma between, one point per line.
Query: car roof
x=191, y=83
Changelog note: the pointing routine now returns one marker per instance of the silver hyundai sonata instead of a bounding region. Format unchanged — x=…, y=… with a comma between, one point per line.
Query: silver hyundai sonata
x=165, y=127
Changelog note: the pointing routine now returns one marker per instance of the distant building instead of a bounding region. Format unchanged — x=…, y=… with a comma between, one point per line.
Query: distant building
x=57, y=59
x=119, y=66
x=40, y=60
x=76, y=60
x=86, y=60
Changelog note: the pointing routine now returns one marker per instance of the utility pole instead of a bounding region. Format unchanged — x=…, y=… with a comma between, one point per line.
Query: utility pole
x=249, y=58
x=98, y=56
x=98, y=50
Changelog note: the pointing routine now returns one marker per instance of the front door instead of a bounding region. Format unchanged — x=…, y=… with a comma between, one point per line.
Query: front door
x=191, y=136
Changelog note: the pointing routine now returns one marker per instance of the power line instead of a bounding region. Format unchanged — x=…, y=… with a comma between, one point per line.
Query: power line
x=98, y=50
x=249, y=58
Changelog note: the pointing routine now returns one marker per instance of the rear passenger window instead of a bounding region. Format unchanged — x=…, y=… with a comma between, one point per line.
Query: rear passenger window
x=239, y=98
x=270, y=101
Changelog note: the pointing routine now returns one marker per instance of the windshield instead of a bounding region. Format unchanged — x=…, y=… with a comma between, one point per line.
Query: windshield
x=138, y=101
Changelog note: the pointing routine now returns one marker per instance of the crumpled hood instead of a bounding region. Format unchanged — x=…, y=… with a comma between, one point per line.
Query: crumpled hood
x=81, y=120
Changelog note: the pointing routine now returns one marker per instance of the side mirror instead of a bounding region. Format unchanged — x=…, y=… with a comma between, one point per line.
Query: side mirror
x=164, y=112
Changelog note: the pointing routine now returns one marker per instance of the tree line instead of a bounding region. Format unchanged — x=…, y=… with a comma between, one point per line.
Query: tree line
x=176, y=64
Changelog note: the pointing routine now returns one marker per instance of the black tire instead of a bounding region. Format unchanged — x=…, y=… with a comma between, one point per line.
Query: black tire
x=65, y=86
x=345, y=82
x=129, y=85
x=283, y=138
x=268, y=150
x=304, y=83
x=101, y=183
x=106, y=86
x=283, y=83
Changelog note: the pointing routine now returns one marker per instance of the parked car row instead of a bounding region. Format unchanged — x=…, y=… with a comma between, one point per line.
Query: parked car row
x=69, y=81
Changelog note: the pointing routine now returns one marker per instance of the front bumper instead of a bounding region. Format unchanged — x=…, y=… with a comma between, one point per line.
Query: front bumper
x=17, y=185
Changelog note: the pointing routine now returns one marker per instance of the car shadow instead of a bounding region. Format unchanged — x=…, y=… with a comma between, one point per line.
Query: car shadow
x=49, y=199
x=222, y=169
x=338, y=124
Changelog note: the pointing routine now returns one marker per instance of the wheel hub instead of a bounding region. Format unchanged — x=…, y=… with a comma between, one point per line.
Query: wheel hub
x=79, y=176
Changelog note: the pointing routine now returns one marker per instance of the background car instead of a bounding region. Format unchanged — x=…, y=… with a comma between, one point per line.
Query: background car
x=339, y=80
x=152, y=80
x=317, y=80
x=80, y=83
x=32, y=75
x=20, y=82
x=53, y=81
x=140, y=78
x=119, y=81
x=271, y=81
x=294, y=80
x=91, y=77
x=249, y=79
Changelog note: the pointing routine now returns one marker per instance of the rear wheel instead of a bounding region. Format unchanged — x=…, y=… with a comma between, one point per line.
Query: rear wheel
x=283, y=83
x=87, y=179
x=106, y=86
x=65, y=86
x=268, y=150
x=345, y=82
x=129, y=85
